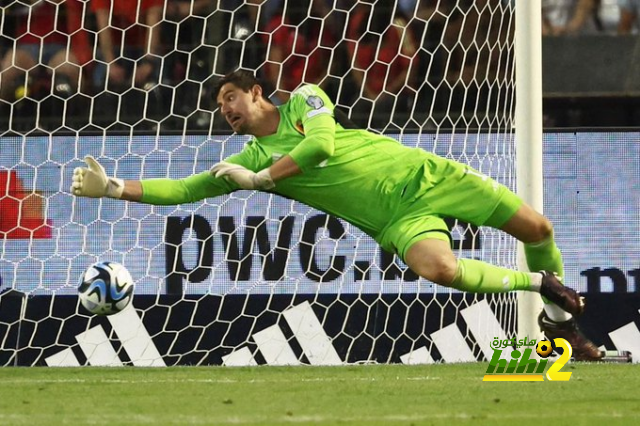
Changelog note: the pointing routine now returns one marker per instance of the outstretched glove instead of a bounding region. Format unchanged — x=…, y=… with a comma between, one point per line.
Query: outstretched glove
x=93, y=181
x=244, y=177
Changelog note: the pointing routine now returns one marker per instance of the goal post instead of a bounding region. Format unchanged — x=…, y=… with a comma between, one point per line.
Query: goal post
x=528, y=132
x=253, y=278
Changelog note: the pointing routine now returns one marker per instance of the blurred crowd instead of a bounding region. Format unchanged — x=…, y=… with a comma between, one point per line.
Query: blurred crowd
x=149, y=64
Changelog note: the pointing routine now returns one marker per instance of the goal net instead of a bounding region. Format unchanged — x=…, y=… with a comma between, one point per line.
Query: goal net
x=249, y=278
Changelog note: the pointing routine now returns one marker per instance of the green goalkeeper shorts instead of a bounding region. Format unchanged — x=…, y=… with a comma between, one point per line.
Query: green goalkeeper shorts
x=445, y=188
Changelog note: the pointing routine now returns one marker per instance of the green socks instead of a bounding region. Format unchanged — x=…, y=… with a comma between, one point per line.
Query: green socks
x=544, y=255
x=481, y=277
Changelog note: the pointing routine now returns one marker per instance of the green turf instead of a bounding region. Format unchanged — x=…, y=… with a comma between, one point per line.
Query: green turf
x=355, y=395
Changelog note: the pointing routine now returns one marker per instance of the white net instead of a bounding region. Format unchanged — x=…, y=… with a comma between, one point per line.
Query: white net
x=248, y=278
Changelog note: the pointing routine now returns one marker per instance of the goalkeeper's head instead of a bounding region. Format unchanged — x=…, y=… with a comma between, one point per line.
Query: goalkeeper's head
x=239, y=96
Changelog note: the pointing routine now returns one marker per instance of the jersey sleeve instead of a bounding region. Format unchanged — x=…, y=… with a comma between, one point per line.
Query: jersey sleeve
x=170, y=192
x=251, y=157
x=202, y=185
x=311, y=107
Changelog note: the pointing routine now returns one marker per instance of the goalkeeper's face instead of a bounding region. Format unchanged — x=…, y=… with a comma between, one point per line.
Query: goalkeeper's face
x=240, y=108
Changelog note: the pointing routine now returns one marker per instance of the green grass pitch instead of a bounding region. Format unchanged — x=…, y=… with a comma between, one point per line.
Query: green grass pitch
x=438, y=394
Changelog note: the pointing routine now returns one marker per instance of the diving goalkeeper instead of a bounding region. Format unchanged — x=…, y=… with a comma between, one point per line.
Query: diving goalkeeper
x=305, y=151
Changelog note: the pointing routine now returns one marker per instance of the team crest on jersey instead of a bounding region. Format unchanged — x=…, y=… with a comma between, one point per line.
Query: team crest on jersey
x=315, y=102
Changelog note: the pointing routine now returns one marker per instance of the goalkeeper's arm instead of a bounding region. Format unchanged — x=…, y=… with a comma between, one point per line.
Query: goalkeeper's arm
x=316, y=147
x=92, y=181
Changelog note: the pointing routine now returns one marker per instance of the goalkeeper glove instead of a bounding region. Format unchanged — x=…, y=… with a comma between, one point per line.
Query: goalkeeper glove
x=244, y=177
x=93, y=181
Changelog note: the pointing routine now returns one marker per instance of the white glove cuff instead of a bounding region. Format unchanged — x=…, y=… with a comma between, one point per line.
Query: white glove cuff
x=115, y=188
x=264, y=179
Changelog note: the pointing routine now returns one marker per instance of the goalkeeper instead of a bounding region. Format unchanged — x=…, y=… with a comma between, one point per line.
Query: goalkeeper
x=305, y=151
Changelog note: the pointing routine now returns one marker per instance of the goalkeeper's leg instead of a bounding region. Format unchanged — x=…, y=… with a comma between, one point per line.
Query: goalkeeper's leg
x=468, y=195
x=542, y=253
x=433, y=259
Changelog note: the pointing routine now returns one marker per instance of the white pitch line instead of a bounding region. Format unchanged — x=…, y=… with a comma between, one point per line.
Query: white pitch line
x=222, y=381
x=106, y=419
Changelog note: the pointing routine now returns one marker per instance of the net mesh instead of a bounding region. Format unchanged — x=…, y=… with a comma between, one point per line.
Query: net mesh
x=250, y=277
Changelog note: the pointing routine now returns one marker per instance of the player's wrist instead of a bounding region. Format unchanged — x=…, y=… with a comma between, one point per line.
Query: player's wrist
x=115, y=188
x=264, y=180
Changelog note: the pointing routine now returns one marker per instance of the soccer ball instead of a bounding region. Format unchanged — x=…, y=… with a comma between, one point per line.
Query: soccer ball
x=544, y=348
x=105, y=288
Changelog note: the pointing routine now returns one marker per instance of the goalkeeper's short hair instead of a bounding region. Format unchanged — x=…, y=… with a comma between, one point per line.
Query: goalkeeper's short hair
x=243, y=79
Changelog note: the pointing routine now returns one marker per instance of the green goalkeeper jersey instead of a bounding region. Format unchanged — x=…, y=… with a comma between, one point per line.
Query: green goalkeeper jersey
x=353, y=174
